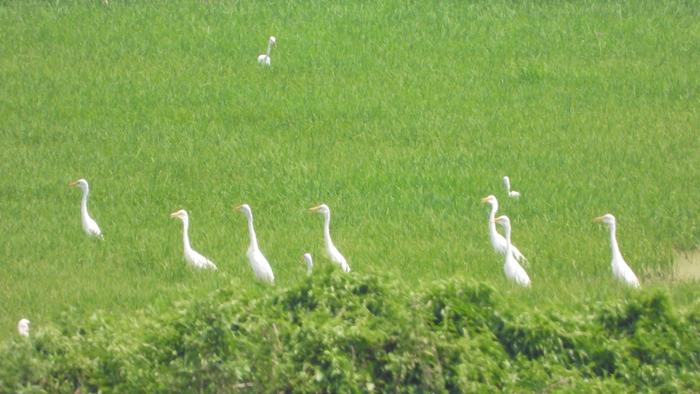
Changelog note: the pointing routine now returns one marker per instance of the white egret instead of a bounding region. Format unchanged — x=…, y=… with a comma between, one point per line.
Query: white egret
x=331, y=251
x=620, y=269
x=309, y=263
x=497, y=240
x=89, y=224
x=23, y=327
x=191, y=256
x=512, y=269
x=264, y=59
x=511, y=194
x=258, y=262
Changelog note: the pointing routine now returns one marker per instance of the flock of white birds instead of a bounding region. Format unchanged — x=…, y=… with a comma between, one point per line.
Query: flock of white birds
x=263, y=271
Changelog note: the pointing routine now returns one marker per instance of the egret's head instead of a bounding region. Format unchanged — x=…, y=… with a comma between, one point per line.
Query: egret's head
x=245, y=208
x=503, y=221
x=181, y=214
x=607, y=219
x=23, y=327
x=490, y=199
x=81, y=183
x=323, y=209
x=273, y=40
x=307, y=258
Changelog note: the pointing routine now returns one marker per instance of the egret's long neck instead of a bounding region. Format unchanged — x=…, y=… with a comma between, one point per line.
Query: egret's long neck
x=492, y=217
x=83, y=203
x=613, y=240
x=508, y=246
x=186, y=234
x=327, y=229
x=251, y=231
x=269, y=48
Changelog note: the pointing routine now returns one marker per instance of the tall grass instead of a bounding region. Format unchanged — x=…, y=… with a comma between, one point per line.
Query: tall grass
x=400, y=116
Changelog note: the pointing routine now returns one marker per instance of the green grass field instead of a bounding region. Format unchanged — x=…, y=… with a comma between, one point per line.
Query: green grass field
x=399, y=115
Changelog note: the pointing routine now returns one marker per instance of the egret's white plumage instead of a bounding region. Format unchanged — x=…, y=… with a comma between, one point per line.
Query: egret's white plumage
x=513, y=193
x=620, y=269
x=257, y=260
x=191, y=256
x=331, y=251
x=264, y=59
x=89, y=224
x=512, y=269
x=497, y=240
x=23, y=327
x=309, y=263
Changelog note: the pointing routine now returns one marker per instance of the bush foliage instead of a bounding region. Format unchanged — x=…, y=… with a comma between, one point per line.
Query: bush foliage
x=354, y=333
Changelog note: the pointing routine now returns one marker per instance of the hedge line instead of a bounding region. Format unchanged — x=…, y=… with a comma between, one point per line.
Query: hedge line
x=353, y=333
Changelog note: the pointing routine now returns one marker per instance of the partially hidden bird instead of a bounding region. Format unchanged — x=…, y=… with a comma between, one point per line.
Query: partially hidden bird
x=497, y=240
x=620, y=269
x=309, y=263
x=264, y=58
x=89, y=224
x=191, y=256
x=510, y=193
x=23, y=327
x=258, y=262
x=331, y=251
x=512, y=269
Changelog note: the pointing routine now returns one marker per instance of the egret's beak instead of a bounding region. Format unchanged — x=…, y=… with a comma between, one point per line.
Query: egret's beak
x=238, y=207
x=315, y=209
x=485, y=200
x=173, y=215
x=73, y=183
x=599, y=219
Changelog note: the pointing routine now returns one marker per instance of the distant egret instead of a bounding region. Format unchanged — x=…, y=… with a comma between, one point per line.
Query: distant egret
x=23, y=327
x=331, y=250
x=258, y=262
x=511, y=194
x=89, y=224
x=309, y=263
x=497, y=240
x=191, y=256
x=512, y=269
x=264, y=59
x=620, y=269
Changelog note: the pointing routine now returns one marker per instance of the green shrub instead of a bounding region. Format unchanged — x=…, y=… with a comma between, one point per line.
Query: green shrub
x=352, y=333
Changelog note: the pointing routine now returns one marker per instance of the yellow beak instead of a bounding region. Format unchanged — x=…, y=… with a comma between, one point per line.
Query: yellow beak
x=485, y=200
x=599, y=219
x=173, y=215
x=315, y=209
x=73, y=183
x=238, y=207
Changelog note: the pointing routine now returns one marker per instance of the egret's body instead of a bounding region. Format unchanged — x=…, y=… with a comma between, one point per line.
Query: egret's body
x=309, y=263
x=331, y=251
x=89, y=224
x=264, y=58
x=511, y=193
x=23, y=327
x=620, y=269
x=512, y=269
x=257, y=260
x=191, y=256
x=497, y=241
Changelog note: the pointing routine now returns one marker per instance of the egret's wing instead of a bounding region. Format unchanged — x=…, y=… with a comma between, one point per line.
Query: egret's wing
x=516, y=253
x=628, y=275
